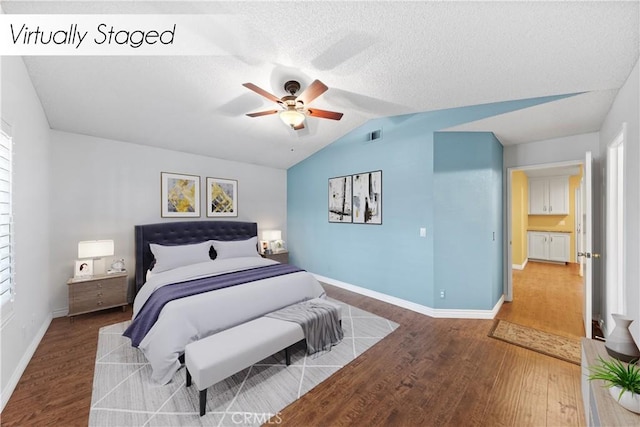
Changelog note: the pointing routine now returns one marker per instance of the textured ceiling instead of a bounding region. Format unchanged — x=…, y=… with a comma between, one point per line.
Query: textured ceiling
x=378, y=59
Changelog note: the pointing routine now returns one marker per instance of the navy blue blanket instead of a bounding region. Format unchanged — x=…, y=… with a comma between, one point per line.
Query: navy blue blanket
x=149, y=313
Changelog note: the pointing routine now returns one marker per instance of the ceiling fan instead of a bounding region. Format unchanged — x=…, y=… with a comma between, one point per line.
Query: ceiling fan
x=294, y=108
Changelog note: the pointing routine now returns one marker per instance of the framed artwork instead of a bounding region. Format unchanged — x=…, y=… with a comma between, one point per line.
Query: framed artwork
x=264, y=247
x=222, y=197
x=367, y=198
x=340, y=199
x=180, y=195
x=84, y=268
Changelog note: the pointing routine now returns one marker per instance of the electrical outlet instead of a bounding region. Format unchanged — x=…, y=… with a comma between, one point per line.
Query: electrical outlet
x=442, y=294
x=423, y=232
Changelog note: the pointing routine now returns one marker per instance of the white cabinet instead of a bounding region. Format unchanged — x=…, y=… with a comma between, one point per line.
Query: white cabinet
x=548, y=246
x=559, y=247
x=549, y=195
x=538, y=245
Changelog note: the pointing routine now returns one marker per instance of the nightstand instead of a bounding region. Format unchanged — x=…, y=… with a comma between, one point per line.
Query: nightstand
x=281, y=257
x=87, y=294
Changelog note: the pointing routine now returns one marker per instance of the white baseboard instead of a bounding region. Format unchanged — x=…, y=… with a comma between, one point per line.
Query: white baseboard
x=61, y=312
x=520, y=266
x=418, y=308
x=24, y=361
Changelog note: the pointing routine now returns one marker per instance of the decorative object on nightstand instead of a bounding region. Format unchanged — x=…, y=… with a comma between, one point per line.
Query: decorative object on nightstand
x=97, y=292
x=274, y=241
x=601, y=408
x=623, y=381
x=84, y=268
x=281, y=257
x=620, y=343
x=278, y=246
x=117, y=266
x=94, y=249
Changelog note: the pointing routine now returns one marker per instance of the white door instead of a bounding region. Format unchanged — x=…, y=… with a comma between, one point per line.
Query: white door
x=588, y=245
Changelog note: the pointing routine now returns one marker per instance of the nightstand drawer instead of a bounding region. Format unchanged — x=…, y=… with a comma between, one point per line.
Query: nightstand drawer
x=108, y=286
x=91, y=304
x=115, y=292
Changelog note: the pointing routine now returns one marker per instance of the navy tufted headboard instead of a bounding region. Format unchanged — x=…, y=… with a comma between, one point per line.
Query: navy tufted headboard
x=182, y=233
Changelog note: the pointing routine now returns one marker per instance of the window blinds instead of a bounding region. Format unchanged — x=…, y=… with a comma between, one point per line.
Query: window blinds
x=6, y=223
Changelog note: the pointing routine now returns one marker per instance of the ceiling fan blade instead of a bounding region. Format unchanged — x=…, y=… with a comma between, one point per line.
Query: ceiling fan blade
x=262, y=92
x=263, y=113
x=324, y=114
x=300, y=126
x=314, y=90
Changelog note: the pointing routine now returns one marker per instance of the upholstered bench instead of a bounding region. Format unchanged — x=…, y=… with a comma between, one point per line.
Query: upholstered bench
x=212, y=359
x=216, y=357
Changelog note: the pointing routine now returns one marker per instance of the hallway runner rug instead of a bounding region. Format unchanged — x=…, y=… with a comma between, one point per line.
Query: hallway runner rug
x=124, y=396
x=563, y=348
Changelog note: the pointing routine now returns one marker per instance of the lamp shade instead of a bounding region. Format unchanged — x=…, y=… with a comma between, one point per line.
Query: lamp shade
x=95, y=248
x=292, y=117
x=270, y=235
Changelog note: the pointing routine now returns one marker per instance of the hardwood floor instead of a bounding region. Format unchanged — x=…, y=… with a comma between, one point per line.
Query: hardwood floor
x=55, y=389
x=548, y=297
x=429, y=372
x=436, y=372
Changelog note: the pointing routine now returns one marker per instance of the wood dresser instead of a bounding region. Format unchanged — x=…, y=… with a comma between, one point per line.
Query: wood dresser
x=88, y=294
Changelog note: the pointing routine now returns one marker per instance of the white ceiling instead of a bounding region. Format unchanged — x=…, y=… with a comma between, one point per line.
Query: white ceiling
x=378, y=59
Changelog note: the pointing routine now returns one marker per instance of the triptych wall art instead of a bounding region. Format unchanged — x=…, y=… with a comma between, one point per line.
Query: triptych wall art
x=180, y=196
x=356, y=198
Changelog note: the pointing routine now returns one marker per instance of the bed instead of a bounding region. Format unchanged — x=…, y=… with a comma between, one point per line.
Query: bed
x=191, y=318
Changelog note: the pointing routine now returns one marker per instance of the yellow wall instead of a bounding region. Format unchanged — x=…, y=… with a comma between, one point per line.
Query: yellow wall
x=560, y=222
x=519, y=216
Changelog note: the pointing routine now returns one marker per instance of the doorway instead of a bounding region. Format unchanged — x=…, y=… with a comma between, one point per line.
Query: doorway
x=544, y=284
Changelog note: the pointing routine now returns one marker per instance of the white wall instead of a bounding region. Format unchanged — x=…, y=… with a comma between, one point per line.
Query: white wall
x=102, y=188
x=552, y=150
x=20, y=335
x=625, y=109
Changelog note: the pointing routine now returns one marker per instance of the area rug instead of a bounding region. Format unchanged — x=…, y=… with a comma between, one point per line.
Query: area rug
x=124, y=396
x=563, y=348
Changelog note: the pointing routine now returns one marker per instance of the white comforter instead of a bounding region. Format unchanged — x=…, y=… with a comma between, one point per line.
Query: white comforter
x=189, y=319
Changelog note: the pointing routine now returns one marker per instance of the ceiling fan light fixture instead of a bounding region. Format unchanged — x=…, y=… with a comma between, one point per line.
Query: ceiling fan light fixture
x=292, y=118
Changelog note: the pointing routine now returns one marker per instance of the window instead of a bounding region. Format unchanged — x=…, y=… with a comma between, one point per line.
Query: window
x=6, y=221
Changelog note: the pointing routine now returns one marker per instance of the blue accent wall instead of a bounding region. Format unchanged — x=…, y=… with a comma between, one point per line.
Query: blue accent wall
x=390, y=258
x=467, y=220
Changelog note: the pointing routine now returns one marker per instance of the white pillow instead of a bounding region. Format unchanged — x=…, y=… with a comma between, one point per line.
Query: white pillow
x=170, y=257
x=236, y=248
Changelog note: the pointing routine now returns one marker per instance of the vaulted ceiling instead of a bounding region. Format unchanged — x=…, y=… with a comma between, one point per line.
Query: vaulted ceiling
x=377, y=58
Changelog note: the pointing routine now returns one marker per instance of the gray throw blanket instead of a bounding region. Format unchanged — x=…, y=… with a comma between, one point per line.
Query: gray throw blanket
x=319, y=320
